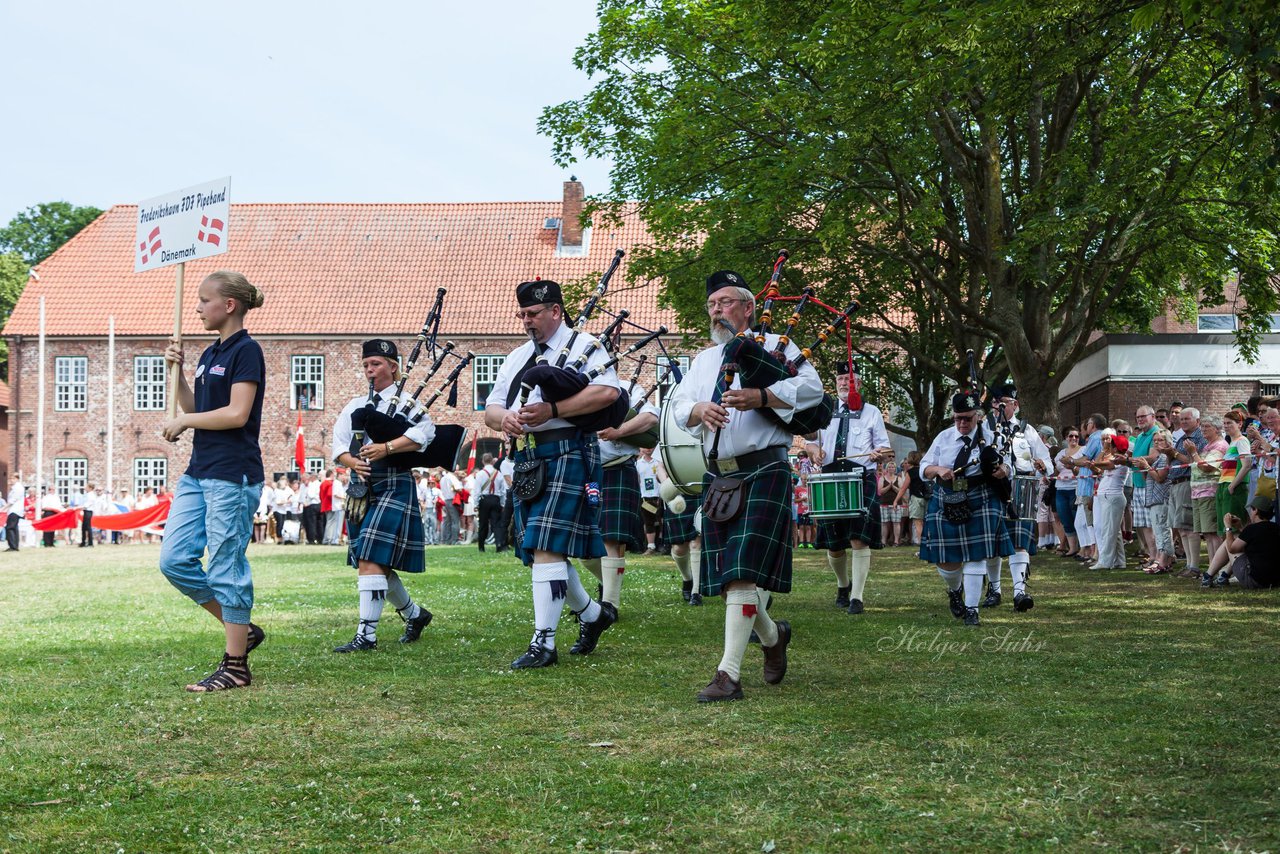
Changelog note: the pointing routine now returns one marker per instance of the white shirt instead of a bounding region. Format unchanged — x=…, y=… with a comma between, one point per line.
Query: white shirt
x=946, y=447
x=488, y=475
x=149, y=500
x=507, y=469
x=17, y=493
x=421, y=433
x=339, y=497
x=866, y=433
x=313, y=493
x=1027, y=445
x=647, y=470
x=449, y=484
x=611, y=451
x=515, y=361
x=747, y=430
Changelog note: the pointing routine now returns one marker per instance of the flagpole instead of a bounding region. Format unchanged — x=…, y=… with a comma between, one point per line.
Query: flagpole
x=175, y=370
x=111, y=402
x=40, y=412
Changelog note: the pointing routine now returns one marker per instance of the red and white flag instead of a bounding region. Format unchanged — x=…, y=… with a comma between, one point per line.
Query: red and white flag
x=471, y=460
x=300, y=448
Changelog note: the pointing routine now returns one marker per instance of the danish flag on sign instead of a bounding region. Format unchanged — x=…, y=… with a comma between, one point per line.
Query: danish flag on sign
x=211, y=231
x=151, y=245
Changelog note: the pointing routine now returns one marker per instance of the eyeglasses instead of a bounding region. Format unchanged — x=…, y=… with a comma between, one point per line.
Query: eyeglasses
x=530, y=315
x=962, y=419
x=1122, y=432
x=1073, y=435
x=723, y=302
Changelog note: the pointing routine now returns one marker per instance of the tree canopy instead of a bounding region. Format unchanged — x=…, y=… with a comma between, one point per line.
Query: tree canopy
x=1010, y=176
x=40, y=230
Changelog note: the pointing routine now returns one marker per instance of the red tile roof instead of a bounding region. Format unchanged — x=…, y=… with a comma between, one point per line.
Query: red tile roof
x=335, y=269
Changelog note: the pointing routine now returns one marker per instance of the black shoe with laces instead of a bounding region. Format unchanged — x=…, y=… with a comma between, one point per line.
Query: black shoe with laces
x=357, y=644
x=686, y=590
x=535, y=656
x=855, y=606
x=956, y=602
x=413, y=628
x=993, y=598
x=971, y=617
x=695, y=598
x=842, y=596
x=589, y=633
x=1022, y=602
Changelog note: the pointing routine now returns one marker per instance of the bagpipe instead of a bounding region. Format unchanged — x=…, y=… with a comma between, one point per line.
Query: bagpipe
x=563, y=379
x=404, y=412
x=991, y=455
x=746, y=358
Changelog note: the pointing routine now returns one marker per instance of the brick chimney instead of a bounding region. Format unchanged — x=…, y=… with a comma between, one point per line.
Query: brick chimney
x=571, y=213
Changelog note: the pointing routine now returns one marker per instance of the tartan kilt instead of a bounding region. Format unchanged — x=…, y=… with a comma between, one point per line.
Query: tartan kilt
x=620, y=519
x=836, y=534
x=678, y=527
x=985, y=535
x=391, y=532
x=756, y=546
x=562, y=521
x=1024, y=536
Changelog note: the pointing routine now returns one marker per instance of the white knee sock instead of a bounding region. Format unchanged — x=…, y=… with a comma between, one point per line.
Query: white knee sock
x=578, y=600
x=399, y=598
x=766, y=628
x=860, y=560
x=951, y=577
x=695, y=567
x=993, y=573
x=682, y=564
x=373, y=593
x=550, y=584
x=593, y=564
x=1018, y=564
x=611, y=569
x=739, y=616
x=840, y=567
x=974, y=571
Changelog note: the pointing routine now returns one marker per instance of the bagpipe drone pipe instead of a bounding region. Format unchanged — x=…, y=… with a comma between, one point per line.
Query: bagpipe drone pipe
x=992, y=454
x=403, y=412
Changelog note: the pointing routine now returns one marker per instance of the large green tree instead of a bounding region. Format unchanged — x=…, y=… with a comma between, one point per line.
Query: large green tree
x=1012, y=175
x=13, y=278
x=40, y=230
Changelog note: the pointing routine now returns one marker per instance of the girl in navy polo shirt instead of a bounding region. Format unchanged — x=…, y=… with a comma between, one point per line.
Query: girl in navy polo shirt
x=214, y=504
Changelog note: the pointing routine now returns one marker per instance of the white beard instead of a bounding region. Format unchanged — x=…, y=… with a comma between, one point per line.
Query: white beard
x=720, y=334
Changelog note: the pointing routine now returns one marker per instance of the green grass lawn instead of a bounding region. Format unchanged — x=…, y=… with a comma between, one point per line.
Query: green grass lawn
x=1124, y=711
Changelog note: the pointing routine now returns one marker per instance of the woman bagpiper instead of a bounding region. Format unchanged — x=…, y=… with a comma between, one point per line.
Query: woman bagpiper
x=390, y=538
x=216, y=498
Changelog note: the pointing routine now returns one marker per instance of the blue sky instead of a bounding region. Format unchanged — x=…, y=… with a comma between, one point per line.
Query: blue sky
x=324, y=102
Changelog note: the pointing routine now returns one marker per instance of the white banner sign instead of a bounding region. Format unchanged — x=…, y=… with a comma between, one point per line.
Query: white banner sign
x=183, y=226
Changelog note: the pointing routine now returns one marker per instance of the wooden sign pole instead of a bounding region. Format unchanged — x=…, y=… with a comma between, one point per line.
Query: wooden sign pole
x=175, y=370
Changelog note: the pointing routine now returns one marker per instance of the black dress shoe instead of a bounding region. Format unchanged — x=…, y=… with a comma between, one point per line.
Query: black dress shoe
x=589, y=633
x=956, y=602
x=686, y=588
x=993, y=598
x=1022, y=602
x=535, y=656
x=971, y=617
x=357, y=644
x=842, y=596
x=695, y=598
x=855, y=606
x=413, y=628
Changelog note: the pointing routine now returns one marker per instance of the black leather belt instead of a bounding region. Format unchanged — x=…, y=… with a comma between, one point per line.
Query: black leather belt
x=560, y=434
x=751, y=462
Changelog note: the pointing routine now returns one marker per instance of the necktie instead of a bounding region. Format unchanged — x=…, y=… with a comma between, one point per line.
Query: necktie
x=962, y=458
x=721, y=386
x=514, y=390
x=842, y=434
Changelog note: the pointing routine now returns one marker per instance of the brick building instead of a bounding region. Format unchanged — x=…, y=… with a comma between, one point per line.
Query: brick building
x=1192, y=361
x=333, y=275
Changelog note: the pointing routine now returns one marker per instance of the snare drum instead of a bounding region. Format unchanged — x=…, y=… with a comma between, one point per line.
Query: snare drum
x=681, y=455
x=1025, y=489
x=837, y=495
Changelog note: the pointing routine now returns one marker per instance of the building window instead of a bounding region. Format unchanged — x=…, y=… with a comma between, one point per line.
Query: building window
x=1269, y=389
x=669, y=380
x=484, y=373
x=70, y=474
x=148, y=383
x=150, y=471
x=71, y=376
x=306, y=374
x=1216, y=323
x=315, y=465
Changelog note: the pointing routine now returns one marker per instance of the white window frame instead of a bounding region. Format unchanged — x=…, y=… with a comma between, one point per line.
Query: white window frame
x=486, y=366
x=1201, y=327
x=306, y=370
x=149, y=383
x=664, y=390
x=315, y=465
x=150, y=471
x=70, y=476
x=71, y=383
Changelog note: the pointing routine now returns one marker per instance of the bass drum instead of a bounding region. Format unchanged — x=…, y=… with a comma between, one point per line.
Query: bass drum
x=681, y=455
